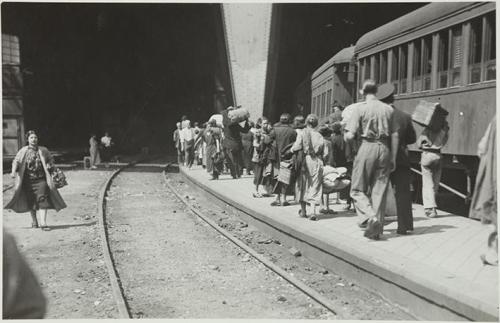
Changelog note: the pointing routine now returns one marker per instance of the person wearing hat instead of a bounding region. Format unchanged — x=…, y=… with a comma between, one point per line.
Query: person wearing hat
x=400, y=177
x=284, y=136
x=376, y=157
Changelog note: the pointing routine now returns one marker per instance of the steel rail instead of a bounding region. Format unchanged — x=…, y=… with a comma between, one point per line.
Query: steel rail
x=294, y=281
x=452, y=190
x=117, y=290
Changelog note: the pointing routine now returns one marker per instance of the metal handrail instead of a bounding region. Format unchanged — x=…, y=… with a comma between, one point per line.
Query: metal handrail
x=452, y=190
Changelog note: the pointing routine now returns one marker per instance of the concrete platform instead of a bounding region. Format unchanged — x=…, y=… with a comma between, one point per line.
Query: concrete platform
x=435, y=272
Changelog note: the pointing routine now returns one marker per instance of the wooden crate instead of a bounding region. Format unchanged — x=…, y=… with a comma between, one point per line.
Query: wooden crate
x=429, y=114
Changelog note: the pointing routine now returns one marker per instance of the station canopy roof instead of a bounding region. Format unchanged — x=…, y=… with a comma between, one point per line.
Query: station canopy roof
x=342, y=57
x=409, y=22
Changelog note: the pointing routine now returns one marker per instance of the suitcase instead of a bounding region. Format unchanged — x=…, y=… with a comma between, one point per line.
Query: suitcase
x=429, y=114
x=285, y=173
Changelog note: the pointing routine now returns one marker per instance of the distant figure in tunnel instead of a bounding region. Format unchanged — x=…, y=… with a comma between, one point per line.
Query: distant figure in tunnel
x=35, y=191
x=232, y=143
x=187, y=141
x=107, y=143
x=177, y=143
x=95, y=157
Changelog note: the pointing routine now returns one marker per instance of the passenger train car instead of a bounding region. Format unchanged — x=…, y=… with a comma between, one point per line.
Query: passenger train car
x=443, y=52
x=333, y=83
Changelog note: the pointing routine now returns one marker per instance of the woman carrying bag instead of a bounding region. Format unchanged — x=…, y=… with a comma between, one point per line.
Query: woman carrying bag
x=35, y=190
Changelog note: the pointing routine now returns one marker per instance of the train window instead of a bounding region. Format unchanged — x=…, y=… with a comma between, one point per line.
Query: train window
x=329, y=101
x=443, y=54
x=383, y=68
x=456, y=55
x=475, y=44
x=323, y=97
x=394, y=68
x=368, y=67
x=426, y=62
x=376, y=69
x=313, y=109
x=417, y=66
x=403, y=67
x=490, y=47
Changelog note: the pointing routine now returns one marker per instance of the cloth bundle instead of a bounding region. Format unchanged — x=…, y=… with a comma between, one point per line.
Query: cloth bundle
x=334, y=179
x=238, y=115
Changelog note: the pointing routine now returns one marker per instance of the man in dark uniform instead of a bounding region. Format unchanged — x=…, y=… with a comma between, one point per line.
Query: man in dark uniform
x=400, y=178
x=284, y=136
x=375, y=159
x=232, y=144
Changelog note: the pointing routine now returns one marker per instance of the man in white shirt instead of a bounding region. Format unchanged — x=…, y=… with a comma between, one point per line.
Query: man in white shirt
x=106, y=142
x=187, y=140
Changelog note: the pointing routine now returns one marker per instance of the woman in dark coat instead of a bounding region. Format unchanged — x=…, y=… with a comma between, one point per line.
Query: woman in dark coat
x=215, y=160
x=247, y=141
x=35, y=191
x=264, y=170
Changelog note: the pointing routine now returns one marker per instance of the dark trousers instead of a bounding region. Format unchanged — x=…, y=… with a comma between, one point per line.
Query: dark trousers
x=234, y=161
x=400, y=179
x=180, y=156
x=189, y=156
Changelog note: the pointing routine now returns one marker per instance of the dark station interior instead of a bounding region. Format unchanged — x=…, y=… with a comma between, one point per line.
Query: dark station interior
x=135, y=69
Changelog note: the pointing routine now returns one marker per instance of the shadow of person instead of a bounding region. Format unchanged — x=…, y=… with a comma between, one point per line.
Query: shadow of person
x=419, y=230
x=66, y=226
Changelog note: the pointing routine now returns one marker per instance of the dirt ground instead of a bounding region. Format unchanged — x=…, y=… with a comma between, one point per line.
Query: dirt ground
x=68, y=260
x=355, y=301
x=172, y=265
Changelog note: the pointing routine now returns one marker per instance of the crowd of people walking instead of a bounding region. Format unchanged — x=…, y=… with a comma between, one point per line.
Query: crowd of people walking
x=364, y=145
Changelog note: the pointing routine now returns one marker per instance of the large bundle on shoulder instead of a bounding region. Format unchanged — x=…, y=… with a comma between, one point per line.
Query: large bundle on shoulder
x=238, y=115
x=334, y=179
x=429, y=114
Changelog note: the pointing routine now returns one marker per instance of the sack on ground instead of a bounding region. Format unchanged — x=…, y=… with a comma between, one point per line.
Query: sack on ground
x=341, y=171
x=332, y=182
x=334, y=179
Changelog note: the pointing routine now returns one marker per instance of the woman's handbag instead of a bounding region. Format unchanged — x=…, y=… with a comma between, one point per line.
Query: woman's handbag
x=58, y=177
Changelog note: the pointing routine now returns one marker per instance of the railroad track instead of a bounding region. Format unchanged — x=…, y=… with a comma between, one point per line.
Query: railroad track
x=116, y=283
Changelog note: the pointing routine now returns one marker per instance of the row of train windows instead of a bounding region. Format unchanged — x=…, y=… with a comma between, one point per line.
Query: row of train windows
x=321, y=103
x=442, y=52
